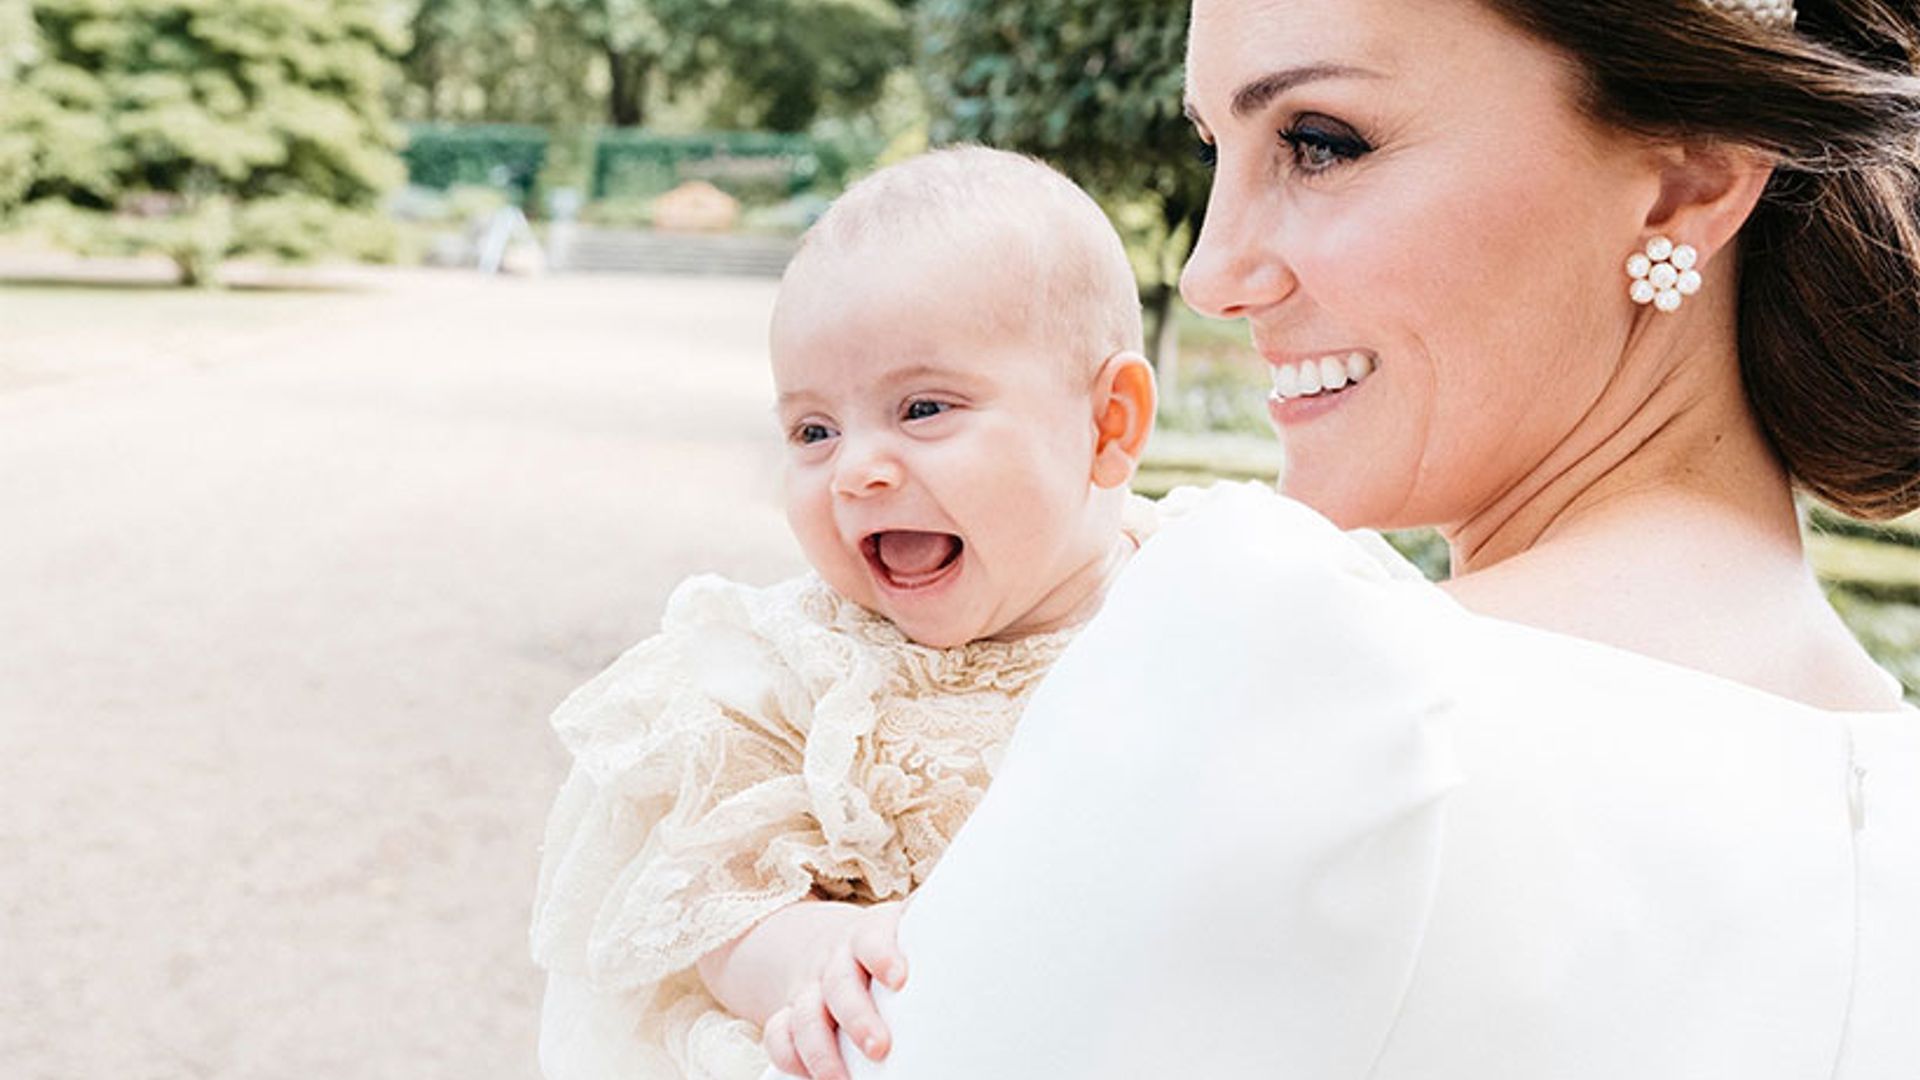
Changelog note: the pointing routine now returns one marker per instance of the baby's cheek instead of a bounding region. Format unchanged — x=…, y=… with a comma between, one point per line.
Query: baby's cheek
x=812, y=526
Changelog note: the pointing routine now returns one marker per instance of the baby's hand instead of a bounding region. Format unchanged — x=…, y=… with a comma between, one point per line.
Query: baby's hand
x=800, y=1038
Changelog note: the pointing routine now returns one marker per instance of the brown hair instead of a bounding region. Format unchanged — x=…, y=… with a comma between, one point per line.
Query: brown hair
x=1829, y=311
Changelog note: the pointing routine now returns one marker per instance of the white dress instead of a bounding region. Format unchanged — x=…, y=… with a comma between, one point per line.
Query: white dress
x=1279, y=813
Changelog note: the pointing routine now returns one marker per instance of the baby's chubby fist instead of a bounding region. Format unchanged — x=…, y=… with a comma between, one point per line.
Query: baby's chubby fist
x=836, y=995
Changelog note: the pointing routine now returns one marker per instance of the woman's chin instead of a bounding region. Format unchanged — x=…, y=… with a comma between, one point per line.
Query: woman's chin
x=1342, y=498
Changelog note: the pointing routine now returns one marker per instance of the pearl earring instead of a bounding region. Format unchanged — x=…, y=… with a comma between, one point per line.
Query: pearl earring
x=1663, y=274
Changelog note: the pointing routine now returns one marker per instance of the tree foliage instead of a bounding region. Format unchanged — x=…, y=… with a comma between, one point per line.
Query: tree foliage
x=782, y=63
x=764, y=64
x=500, y=61
x=1095, y=88
x=18, y=43
x=204, y=129
x=634, y=38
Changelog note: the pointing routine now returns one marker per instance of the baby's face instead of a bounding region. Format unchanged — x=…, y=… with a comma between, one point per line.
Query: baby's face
x=938, y=472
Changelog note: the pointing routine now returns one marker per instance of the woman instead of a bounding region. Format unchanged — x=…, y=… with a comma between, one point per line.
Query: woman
x=1625, y=799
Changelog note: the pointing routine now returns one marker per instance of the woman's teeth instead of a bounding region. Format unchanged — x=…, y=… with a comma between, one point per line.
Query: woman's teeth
x=1326, y=374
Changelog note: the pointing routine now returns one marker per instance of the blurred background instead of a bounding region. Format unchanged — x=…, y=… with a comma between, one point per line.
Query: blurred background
x=369, y=372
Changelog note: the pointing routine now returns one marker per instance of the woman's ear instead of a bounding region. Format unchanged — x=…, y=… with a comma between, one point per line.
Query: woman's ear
x=1707, y=191
x=1124, y=400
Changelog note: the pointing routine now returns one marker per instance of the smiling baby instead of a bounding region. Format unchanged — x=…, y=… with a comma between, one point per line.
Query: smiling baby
x=757, y=788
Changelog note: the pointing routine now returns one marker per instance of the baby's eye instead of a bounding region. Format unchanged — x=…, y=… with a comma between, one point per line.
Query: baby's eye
x=923, y=408
x=809, y=433
x=1208, y=154
x=1320, y=144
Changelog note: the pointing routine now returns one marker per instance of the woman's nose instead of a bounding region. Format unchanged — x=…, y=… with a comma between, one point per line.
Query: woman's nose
x=1236, y=268
x=865, y=467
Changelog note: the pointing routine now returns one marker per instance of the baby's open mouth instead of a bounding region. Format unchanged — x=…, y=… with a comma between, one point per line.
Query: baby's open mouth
x=906, y=559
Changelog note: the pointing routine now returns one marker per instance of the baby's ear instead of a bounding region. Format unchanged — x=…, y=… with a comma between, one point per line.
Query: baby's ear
x=1124, y=399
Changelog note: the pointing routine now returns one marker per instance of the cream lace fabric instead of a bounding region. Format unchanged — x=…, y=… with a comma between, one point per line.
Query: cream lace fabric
x=766, y=745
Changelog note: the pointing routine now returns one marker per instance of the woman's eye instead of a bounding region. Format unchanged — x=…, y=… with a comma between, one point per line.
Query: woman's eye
x=921, y=409
x=1320, y=144
x=808, y=434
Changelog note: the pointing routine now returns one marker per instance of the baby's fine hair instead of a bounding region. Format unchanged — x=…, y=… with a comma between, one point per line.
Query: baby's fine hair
x=994, y=212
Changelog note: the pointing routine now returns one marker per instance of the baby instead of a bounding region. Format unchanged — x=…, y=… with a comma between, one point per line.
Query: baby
x=757, y=788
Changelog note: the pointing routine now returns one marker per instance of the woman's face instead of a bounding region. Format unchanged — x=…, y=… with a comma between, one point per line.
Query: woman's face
x=1412, y=183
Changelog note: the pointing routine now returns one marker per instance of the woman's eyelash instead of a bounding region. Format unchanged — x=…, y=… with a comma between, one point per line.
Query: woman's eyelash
x=1320, y=147
x=1316, y=147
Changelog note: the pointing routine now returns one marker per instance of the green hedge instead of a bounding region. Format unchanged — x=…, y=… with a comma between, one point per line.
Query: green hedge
x=756, y=167
x=752, y=166
x=441, y=156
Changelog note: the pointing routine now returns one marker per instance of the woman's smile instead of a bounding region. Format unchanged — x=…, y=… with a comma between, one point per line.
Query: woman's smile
x=1310, y=385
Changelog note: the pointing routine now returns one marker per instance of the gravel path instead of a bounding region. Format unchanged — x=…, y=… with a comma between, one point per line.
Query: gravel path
x=289, y=583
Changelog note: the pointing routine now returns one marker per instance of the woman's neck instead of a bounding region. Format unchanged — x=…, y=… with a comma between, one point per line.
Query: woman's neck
x=1667, y=432
x=1666, y=525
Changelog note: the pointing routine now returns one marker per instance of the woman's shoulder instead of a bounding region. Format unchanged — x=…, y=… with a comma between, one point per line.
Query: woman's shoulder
x=1239, y=560
x=1718, y=606
x=1241, y=553
x=1259, y=623
x=1231, y=531
x=1246, y=580
x=1519, y=654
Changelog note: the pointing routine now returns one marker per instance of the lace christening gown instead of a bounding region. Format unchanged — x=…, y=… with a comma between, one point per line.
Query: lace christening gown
x=767, y=744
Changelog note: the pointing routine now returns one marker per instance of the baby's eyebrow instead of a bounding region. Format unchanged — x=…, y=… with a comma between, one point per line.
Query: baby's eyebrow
x=921, y=371
x=795, y=395
x=788, y=399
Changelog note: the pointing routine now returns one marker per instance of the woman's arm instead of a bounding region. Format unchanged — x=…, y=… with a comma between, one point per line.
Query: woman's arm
x=1214, y=841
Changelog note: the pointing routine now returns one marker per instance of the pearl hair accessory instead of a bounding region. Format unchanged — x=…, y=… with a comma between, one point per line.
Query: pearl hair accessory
x=1778, y=14
x=1663, y=274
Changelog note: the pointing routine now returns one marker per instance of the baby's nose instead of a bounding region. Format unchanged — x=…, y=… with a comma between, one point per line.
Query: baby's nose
x=865, y=468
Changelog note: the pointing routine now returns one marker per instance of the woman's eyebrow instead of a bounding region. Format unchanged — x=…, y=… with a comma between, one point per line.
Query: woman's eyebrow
x=1252, y=96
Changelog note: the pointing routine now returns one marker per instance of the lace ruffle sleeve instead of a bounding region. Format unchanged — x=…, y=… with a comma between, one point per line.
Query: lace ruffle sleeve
x=712, y=785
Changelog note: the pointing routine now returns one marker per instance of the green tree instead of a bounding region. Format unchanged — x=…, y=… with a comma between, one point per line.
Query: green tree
x=1095, y=88
x=770, y=64
x=17, y=48
x=204, y=129
x=760, y=64
x=505, y=61
x=633, y=37
x=784, y=63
